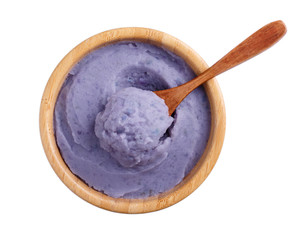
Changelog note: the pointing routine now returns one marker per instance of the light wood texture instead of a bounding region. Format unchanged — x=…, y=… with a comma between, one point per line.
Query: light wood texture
x=258, y=42
x=199, y=172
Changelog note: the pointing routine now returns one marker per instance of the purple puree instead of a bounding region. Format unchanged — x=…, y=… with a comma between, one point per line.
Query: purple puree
x=104, y=156
x=132, y=127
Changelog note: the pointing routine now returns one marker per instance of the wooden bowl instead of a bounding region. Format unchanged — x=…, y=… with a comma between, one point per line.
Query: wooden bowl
x=191, y=181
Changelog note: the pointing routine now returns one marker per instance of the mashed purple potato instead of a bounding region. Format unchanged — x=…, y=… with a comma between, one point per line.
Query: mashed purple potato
x=103, y=155
x=132, y=127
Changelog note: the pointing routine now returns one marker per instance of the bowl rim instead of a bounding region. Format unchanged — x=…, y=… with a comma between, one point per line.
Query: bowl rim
x=200, y=171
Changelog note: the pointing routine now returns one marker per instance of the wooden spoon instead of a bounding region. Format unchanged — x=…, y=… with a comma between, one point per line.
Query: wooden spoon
x=253, y=45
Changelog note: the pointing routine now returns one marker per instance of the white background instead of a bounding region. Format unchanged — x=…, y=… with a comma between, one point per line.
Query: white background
x=253, y=191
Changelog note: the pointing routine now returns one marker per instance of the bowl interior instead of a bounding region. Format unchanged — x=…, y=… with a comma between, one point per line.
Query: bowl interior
x=191, y=181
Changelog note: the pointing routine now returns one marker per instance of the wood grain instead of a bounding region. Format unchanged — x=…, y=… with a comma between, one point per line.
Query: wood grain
x=194, y=178
x=258, y=42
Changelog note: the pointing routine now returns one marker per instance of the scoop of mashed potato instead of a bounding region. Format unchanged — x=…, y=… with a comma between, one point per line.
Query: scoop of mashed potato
x=133, y=127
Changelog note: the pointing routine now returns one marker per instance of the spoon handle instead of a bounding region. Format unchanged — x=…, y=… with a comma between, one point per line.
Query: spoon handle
x=253, y=45
x=249, y=48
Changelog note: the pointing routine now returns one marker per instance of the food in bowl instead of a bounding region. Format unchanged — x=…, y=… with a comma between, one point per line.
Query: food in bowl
x=133, y=127
x=111, y=165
